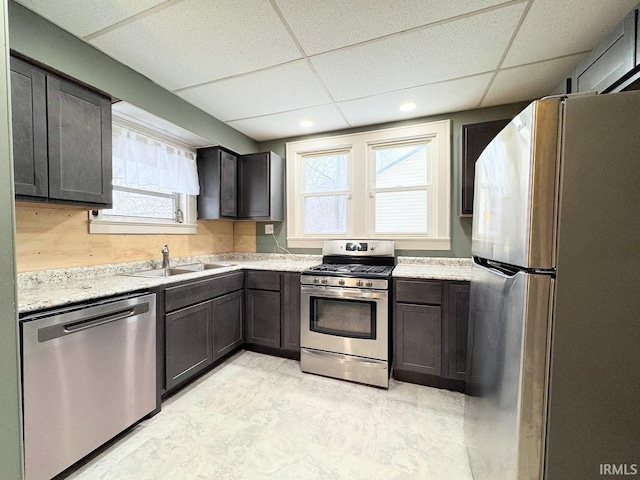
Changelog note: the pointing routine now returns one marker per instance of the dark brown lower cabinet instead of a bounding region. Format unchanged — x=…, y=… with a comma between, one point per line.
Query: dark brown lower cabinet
x=263, y=318
x=188, y=341
x=430, y=332
x=418, y=338
x=227, y=324
x=199, y=322
x=272, y=313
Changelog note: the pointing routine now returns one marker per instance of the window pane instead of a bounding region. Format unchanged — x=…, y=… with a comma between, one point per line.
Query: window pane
x=327, y=214
x=401, y=166
x=401, y=212
x=325, y=173
x=139, y=205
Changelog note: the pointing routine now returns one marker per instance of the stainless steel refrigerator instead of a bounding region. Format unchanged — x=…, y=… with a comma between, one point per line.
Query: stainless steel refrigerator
x=554, y=363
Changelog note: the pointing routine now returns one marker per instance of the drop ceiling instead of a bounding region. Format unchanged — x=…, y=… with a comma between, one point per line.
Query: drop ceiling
x=262, y=66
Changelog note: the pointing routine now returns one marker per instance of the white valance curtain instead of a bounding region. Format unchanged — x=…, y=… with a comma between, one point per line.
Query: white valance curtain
x=141, y=160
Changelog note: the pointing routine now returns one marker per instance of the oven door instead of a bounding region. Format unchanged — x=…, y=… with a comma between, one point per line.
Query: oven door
x=350, y=321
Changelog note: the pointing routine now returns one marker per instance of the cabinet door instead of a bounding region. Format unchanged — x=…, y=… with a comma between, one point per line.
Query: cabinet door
x=457, y=326
x=228, y=184
x=253, y=178
x=29, y=119
x=418, y=338
x=188, y=342
x=227, y=324
x=79, y=129
x=475, y=138
x=610, y=61
x=263, y=318
x=291, y=312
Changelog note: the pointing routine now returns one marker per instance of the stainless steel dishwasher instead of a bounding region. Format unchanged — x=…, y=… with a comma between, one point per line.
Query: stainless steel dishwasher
x=88, y=373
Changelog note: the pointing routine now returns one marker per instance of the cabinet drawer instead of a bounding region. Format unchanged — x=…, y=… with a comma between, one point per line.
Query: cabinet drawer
x=263, y=280
x=194, y=292
x=418, y=291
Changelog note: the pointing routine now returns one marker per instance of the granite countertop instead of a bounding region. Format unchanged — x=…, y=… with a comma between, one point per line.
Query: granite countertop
x=54, y=288
x=437, y=268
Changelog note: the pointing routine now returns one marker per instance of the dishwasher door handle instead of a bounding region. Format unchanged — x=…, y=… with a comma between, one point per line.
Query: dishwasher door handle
x=57, y=331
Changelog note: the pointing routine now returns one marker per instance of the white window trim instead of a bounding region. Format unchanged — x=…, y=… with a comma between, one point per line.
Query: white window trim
x=360, y=146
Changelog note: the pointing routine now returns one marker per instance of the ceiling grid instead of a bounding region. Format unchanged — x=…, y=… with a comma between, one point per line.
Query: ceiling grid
x=262, y=66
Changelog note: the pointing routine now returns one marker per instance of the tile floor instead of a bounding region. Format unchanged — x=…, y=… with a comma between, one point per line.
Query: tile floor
x=260, y=417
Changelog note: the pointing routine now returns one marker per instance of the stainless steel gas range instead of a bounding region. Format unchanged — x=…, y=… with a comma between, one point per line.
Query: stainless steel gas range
x=345, y=312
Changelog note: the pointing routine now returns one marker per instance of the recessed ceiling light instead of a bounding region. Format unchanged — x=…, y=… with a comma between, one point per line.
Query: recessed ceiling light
x=306, y=123
x=407, y=107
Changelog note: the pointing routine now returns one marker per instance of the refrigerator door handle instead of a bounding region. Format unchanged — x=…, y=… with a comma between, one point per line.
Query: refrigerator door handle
x=502, y=270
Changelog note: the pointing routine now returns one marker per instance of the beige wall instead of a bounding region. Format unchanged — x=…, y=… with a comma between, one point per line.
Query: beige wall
x=58, y=237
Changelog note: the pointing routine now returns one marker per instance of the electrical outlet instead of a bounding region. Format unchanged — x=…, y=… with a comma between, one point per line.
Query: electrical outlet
x=268, y=228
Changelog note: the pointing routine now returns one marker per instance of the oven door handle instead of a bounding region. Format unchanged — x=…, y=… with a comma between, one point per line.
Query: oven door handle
x=343, y=293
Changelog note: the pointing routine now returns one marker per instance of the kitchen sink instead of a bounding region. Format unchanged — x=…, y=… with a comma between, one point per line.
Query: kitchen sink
x=198, y=267
x=159, y=272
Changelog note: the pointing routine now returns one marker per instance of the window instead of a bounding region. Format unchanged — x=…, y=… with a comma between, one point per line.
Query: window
x=388, y=184
x=154, y=183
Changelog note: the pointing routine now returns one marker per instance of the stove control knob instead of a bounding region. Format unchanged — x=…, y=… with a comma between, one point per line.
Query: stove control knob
x=316, y=280
x=340, y=282
x=369, y=284
x=324, y=281
x=359, y=283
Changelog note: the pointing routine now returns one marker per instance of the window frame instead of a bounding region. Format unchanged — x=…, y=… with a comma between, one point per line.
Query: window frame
x=360, y=201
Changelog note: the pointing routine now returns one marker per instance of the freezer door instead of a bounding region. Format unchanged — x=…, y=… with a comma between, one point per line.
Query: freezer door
x=505, y=403
x=516, y=190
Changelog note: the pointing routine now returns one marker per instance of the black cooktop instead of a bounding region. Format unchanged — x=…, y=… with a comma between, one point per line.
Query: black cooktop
x=351, y=270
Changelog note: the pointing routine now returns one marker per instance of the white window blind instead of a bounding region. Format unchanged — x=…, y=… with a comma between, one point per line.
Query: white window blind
x=401, y=188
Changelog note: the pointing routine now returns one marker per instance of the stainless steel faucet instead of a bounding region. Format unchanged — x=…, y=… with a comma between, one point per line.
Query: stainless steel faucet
x=165, y=256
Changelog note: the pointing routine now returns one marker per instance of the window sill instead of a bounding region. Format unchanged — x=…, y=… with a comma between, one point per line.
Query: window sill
x=140, y=228
x=400, y=244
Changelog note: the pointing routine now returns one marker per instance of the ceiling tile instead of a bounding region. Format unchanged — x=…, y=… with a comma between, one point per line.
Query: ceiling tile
x=553, y=28
x=196, y=41
x=530, y=82
x=451, y=96
x=287, y=87
x=455, y=49
x=282, y=125
x=82, y=18
x=331, y=24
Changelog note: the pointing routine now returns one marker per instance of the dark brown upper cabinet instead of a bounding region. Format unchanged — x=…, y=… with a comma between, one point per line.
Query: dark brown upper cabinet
x=247, y=187
x=29, y=121
x=613, y=65
x=475, y=138
x=61, y=139
x=217, y=173
x=610, y=61
x=261, y=186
